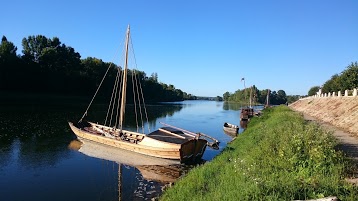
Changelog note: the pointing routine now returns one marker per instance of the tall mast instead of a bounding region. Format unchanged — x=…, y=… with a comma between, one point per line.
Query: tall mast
x=124, y=86
x=243, y=79
x=250, y=102
x=268, y=97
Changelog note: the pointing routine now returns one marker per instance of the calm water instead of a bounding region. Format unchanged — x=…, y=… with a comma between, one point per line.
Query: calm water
x=39, y=159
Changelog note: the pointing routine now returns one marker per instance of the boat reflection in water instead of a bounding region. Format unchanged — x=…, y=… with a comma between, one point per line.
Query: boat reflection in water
x=243, y=124
x=230, y=129
x=162, y=171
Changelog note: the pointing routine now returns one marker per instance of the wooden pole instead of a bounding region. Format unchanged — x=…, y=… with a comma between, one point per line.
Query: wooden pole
x=124, y=86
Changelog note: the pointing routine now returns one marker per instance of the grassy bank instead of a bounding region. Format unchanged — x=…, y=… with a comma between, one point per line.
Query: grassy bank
x=279, y=157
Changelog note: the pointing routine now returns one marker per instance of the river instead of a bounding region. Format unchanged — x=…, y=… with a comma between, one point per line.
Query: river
x=40, y=158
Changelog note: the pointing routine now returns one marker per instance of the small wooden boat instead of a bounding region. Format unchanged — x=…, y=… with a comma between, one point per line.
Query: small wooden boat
x=168, y=142
x=230, y=128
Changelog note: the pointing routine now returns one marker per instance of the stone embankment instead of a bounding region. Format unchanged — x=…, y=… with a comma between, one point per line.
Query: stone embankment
x=339, y=111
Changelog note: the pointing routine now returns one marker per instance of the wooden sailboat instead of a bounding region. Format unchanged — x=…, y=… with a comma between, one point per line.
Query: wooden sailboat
x=247, y=112
x=168, y=142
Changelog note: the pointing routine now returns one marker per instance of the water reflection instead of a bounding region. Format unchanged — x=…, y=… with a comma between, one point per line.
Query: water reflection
x=231, y=134
x=42, y=131
x=243, y=124
x=35, y=134
x=121, y=156
x=237, y=106
x=232, y=106
x=34, y=153
x=151, y=174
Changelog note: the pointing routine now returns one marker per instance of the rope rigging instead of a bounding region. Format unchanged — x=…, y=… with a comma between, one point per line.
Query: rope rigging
x=141, y=92
x=85, y=114
x=113, y=118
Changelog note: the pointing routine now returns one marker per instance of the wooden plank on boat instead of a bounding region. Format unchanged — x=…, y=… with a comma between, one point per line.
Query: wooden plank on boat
x=176, y=135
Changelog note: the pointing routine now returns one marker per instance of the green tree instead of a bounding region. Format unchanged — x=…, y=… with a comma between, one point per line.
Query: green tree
x=349, y=77
x=313, y=90
x=281, y=97
x=51, y=54
x=58, y=65
x=292, y=98
x=33, y=47
x=263, y=96
x=226, y=96
x=154, y=77
x=7, y=49
x=332, y=84
x=218, y=98
x=47, y=65
x=9, y=65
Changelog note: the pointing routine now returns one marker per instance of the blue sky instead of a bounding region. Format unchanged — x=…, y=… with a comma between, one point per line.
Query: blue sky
x=203, y=47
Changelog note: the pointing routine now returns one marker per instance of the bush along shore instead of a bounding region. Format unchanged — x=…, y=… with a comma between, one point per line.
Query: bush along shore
x=279, y=157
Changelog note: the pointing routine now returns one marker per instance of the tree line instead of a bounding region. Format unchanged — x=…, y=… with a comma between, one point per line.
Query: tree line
x=258, y=96
x=347, y=79
x=49, y=66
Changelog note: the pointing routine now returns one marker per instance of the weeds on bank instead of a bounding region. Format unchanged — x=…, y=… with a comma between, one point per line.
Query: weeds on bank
x=279, y=157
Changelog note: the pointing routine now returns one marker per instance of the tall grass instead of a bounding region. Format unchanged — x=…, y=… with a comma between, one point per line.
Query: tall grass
x=279, y=157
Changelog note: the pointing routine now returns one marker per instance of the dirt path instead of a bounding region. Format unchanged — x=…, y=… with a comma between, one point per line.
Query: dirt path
x=348, y=143
x=338, y=114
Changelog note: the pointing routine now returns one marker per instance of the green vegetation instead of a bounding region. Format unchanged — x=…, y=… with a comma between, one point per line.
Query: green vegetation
x=292, y=98
x=258, y=96
x=347, y=79
x=48, y=66
x=313, y=90
x=279, y=157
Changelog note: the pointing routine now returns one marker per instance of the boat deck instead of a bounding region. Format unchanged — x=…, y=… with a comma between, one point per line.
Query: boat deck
x=167, y=134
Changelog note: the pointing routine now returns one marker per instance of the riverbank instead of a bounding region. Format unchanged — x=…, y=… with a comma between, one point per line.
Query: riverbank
x=338, y=115
x=341, y=112
x=279, y=157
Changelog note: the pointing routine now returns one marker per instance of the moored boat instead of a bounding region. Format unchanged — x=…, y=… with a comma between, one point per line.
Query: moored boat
x=231, y=128
x=167, y=142
x=163, y=143
x=246, y=113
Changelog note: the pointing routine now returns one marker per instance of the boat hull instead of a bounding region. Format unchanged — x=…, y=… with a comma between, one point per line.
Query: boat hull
x=246, y=113
x=189, y=151
x=230, y=128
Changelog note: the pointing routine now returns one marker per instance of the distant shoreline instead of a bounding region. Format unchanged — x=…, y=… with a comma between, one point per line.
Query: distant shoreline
x=38, y=98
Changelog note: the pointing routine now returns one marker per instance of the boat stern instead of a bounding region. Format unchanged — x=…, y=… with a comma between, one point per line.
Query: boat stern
x=192, y=150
